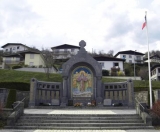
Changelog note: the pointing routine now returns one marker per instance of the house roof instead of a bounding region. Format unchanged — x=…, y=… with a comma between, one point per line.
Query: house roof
x=14, y=44
x=155, y=66
x=65, y=46
x=153, y=57
x=107, y=58
x=129, y=52
x=22, y=53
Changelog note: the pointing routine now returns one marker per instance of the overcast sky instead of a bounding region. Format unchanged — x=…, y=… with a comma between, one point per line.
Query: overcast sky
x=104, y=24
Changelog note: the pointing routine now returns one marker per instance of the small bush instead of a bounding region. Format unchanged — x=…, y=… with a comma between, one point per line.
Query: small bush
x=120, y=73
x=25, y=65
x=113, y=73
x=16, y=67
x=22, y=86
x=11, y=98
x=1, y=106
x=105, y=73
x=40, y=66
x=156, y=108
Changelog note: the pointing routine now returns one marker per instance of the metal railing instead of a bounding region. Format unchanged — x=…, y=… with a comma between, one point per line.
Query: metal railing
x=141, y=106
x=17, y=113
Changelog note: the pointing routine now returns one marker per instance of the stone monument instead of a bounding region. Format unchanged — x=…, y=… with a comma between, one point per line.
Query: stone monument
x=82, y=78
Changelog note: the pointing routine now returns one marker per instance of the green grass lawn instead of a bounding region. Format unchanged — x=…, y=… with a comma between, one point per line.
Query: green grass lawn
x=22, y=76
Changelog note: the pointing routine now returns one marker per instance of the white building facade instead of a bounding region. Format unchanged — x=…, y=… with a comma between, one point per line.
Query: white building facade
x=155, y=73
x=65, y=51
x=110, y=62
x=130, y=56
x=14, y=47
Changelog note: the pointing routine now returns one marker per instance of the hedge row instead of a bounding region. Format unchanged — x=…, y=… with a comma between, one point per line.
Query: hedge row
x=137, y=89
x=11, y=98
x=21, y=86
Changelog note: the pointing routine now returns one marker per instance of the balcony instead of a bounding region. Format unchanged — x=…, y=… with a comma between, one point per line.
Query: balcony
x=61, y=52
x=13, y=62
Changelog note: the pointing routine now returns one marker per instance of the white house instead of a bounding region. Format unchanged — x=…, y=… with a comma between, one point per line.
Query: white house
x=14, y=47
x=153, y=58
x=155, y=73
x=34, y=58
x=65, y=51
x=130, y=56
x=28, y=57
x=110, y=62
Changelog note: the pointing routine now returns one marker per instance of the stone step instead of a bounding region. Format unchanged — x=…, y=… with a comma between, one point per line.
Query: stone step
x=80, y=121
x=80, y=124
x=84, y=115
x=79, y=118
x=80, y=128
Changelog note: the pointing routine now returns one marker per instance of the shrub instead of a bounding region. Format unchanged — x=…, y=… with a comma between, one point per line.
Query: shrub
x=156, y=108
x=11, y=98
x=22, y=86
x=25, y=65
x=1, y=106
x=105, y=73
x=120, y=73
x=40, y=66
x=113, y=73
x=16, y=67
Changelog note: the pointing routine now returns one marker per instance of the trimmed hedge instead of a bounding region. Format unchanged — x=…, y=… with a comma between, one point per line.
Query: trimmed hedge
x=21, y=86
x=105, y=73
x=11, y=98
x=137, y=89
x=16, y=67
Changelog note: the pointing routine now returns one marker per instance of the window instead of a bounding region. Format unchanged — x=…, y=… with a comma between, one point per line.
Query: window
x=130, y=56
x=102, y=64
x=6, y=49
x=14, y=48
x=31, y=64
x=65, y=50
x=124, y=56
x=138, y=58
x=72, y=50
x=17, y=47
x=158, y=70
x=31, y=56
x=130, y=61
x=116, y=64
x=56, y=50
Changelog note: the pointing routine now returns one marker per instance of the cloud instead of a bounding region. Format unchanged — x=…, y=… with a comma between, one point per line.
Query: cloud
x=103, y=24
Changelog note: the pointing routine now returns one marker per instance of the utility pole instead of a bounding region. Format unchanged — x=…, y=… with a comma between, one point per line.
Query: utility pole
x=134, y=67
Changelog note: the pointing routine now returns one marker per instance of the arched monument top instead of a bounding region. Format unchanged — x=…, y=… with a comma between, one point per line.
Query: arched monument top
x=82, y=43
x=82, y=58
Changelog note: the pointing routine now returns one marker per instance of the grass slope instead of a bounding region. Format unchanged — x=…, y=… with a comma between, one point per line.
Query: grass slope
x=22, y=76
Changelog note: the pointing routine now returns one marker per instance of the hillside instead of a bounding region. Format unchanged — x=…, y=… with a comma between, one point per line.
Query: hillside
x=21, y=76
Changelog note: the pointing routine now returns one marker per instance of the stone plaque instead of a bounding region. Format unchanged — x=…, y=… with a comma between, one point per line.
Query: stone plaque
x=55, y=101
x=107, y=102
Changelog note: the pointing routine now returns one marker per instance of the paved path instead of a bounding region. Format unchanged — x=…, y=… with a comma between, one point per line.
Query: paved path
x=79, y=130
x=77, y=111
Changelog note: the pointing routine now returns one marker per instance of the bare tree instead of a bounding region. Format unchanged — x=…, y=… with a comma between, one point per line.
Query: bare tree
x=143, y=73
x=49, y=61
x=110, y=53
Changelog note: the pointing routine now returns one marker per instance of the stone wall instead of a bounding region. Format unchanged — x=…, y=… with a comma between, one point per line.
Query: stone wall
x=143, y=96
x=20, y=95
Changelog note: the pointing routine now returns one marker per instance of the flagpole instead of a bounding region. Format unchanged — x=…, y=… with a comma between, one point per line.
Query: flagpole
x=149, y=69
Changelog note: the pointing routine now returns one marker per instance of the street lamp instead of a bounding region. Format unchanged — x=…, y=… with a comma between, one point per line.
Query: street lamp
x=134, y=67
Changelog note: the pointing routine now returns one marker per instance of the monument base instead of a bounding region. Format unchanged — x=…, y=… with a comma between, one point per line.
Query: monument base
x=99, y=101
x=64, y=102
